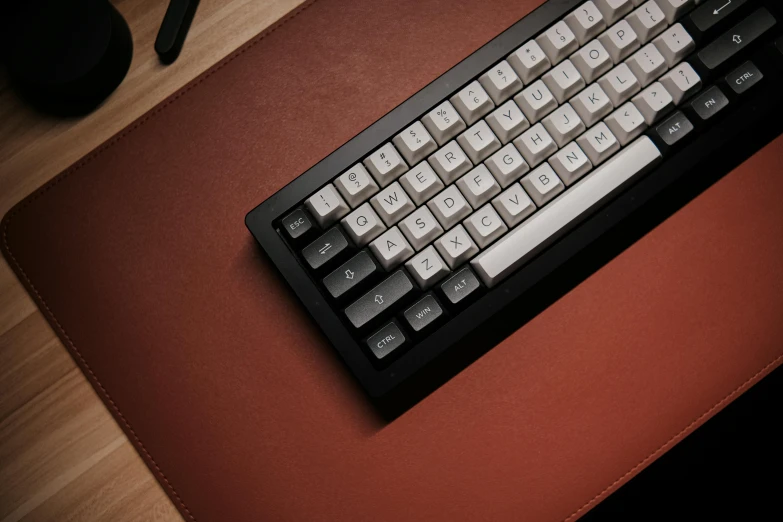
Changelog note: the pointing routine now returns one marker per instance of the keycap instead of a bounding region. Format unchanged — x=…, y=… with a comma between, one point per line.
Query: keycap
x=737, y=38
x=620, y=41
x=626, y=123
x=709, y=103
x=460, y=286
x=326, y=206
x=558, y=42
x=619, y=84
x=564, y=124
x=392, y=204
x=356, y=185
x=415, y=143
x=613, y=10
x=500, y=82
x=351, y=275
x=507, y=165
x=654, y=102
x=427, y=268
x=674, y=44
x=598, y=143
x=386, y=340
x=542, y=184
x=472, y=102
x=709, y=13
x=443, y=122
x=326, y=248
x=548, y=224
x=420, y=228
x=449, y=207
x=478, y=142
x=564, y=81
x=535, y=145
x=385, y=165
x=647, y=64
x=507, y=121
x=372, y=304
x=297, y=224
x=674, y=128
x=647, y=21
x=674, y=9
x=421, y=183
x=744, y=77
x=536, y=101
x=450, y=162
x=513, y=205
x=586, y=22
x=391, y=248
x=363, y=225
x=592, y=61
x=570, y=163
x=456, y=246
x=681, y=82
x=529, y=61
x=423, y=314
x=478, y=186
x=485, y=226
x=591, y=104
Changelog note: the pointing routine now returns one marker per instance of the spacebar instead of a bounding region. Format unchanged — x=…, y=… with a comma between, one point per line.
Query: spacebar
x=554, y=220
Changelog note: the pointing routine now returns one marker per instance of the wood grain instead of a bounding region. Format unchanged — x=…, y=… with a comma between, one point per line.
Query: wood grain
x=62, y=456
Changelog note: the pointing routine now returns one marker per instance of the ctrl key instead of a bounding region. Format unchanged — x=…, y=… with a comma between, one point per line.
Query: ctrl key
x=386, y=340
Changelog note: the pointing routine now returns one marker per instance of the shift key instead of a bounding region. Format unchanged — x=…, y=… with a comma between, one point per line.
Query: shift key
x=387, y=294
x=737, y=38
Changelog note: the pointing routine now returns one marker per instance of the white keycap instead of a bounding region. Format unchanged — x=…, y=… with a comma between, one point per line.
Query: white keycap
x=456, y=246
x=536, y=101
x=391, y=248
x=586, y=22
x=392, y=204
x=478, y=142
x=327, y=206
x=501, y=82
x=653, y=102
x=620, y=41
x=356, y=185
x=421, y=183
x=449, y=207
x=613, y=10
x=443, y=122
x=558, y=42
x=472, y=102
x=507, y=121
x=529, y=61
x=598, y=143
x=485, y=226
x=681, y=82
x=415, y=143
x=514, y=205
x=478, y=186
x=363, y=225
x=570, y=163
x=420, y=228
x=542, y=184
x=427, y=268
x=619, y=84
x=673, y=9
x=385, y=165
x=647, y=64
x=592, y=61
x=564, y=81
x=507, y=165
x=450, y=162
x=535, y=144
x=591, y=104
x=674, y=44
x=648, y=21
x=564, y=124
x=626, y=123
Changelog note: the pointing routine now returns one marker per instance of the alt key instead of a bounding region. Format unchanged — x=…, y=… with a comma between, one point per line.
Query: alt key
x=674, y=129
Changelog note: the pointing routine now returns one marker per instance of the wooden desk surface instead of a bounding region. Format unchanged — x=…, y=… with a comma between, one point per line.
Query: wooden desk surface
x=62, y=456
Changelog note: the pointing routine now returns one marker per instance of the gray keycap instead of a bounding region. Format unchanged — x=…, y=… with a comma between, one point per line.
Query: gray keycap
x=423, y=313
x=386, y=340
x=325, y=248
x=372, y=304
x=460, y=285
x=675, y=128
x=350, y=274
x=709, y=103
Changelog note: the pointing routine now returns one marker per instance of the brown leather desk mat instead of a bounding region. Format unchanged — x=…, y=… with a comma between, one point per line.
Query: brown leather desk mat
x=139, y=258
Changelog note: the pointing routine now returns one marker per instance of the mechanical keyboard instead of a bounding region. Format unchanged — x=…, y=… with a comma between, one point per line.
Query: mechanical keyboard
x=452, y=212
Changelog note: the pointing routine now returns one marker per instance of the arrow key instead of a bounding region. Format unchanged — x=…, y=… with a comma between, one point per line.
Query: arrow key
x=326, y=248
x=350, y=276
